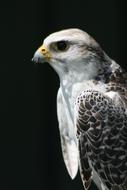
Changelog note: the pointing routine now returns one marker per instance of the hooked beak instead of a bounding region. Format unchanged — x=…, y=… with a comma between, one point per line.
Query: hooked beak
x=41, y=55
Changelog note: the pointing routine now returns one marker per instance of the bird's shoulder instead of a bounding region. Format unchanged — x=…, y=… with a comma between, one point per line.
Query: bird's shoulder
x=118, y=82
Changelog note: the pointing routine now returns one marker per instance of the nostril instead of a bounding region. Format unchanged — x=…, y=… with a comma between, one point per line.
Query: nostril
x=43, y=50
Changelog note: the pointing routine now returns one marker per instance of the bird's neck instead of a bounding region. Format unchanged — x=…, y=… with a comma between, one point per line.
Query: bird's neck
x=71, y=78
x=74, y=83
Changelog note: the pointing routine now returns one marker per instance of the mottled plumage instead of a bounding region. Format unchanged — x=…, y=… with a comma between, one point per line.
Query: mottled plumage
x=91, y=108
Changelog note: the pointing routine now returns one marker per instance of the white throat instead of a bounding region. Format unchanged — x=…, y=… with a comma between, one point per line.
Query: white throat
x=78, y=74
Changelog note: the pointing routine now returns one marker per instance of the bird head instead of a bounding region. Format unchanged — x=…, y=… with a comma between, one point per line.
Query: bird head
x=72, y=51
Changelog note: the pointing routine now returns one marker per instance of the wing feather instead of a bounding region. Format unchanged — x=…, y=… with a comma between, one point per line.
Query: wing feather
x=104, y=126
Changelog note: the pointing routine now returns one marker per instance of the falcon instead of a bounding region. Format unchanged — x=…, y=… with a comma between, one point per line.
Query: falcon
x=91, y=108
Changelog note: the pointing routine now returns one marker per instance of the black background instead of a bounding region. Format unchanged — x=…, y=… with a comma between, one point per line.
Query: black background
x=30, y=153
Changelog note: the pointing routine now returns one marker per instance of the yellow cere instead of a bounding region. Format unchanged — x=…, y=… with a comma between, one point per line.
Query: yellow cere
x=45, y=52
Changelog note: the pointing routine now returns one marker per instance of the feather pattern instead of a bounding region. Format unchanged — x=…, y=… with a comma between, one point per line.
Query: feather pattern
x=104, y=128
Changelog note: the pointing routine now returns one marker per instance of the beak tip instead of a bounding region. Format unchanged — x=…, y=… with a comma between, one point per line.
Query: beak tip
x=35, y=60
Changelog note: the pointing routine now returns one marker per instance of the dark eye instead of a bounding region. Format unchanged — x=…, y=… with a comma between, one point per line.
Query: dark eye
x=61, y=45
